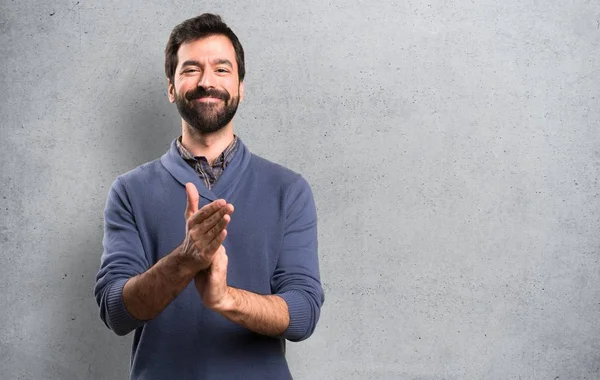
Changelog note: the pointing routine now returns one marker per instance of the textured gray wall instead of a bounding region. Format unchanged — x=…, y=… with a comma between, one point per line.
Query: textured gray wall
x=453, y=149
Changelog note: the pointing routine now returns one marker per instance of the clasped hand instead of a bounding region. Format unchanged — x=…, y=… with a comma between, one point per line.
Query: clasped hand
x=202, y=250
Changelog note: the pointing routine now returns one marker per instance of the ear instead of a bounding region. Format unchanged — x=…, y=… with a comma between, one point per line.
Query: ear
x=241, y=91
x=170, y=91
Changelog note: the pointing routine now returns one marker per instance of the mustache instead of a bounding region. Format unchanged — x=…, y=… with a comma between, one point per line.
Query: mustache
x=200, y=92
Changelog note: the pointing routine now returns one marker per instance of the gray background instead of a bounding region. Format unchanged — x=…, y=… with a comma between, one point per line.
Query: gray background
x=453, y=149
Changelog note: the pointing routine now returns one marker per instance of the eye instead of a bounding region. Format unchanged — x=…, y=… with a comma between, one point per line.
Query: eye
x=222, y=70
x=190, y=71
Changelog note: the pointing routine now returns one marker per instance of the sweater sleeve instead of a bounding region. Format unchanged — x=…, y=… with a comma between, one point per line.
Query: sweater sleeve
x=296, y=278
x=123, y=258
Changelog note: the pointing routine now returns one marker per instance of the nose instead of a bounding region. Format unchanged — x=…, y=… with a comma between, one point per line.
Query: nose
x=207, y=79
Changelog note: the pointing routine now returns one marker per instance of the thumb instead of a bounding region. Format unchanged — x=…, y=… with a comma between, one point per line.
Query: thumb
x=192, y=199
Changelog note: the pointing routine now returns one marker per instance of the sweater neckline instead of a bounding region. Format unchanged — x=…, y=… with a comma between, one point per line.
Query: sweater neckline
x=184, y=173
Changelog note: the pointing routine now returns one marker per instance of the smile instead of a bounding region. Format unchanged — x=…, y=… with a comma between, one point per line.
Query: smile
x=208, y=99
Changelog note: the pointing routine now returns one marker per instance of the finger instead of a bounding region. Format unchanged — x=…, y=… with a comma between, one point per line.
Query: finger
x=214, y=245
x=203, y=234
x=206, y=211
x=192, y=199
x=215, y=218
x=209, y=242
x=217, y=228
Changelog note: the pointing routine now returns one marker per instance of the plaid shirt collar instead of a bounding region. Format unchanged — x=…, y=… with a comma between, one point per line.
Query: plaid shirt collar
x=207, y=172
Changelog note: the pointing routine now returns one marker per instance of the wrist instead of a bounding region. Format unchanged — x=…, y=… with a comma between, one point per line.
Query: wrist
x=227, y=303
x=185, y=263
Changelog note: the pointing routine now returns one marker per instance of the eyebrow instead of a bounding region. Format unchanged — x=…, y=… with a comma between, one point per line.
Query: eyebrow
x=190, y=63
x=218, y=61
x=223, y=61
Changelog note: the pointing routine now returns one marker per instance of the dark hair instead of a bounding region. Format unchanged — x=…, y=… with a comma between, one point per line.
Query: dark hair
x=205, y=25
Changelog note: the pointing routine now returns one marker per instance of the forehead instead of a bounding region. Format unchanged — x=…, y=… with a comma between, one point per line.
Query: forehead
x=207, y=49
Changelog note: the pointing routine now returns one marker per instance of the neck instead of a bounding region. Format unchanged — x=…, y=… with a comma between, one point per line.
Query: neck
x=209, y=145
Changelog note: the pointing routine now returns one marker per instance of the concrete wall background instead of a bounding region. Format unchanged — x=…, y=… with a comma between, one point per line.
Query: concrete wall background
x=453, y=149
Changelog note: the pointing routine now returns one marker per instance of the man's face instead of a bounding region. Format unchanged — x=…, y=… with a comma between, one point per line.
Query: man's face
x=206, y=86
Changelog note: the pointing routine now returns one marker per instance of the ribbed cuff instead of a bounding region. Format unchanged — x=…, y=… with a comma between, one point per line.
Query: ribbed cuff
x=121, y=322
x=300, y=315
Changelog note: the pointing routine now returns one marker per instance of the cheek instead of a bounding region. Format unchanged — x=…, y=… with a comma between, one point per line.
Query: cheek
x=181, y=90
x=233, y=88
x=183, y=85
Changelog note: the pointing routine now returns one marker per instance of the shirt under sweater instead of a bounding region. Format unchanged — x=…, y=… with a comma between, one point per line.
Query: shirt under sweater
x=209, y=172
x=272, y=249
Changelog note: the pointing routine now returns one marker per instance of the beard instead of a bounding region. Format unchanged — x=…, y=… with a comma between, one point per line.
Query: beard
x=207, y=117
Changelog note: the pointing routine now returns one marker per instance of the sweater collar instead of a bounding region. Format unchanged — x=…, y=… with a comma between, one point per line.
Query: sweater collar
x=184, y=173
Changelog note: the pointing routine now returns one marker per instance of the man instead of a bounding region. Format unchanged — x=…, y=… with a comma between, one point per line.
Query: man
x=211, y=293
